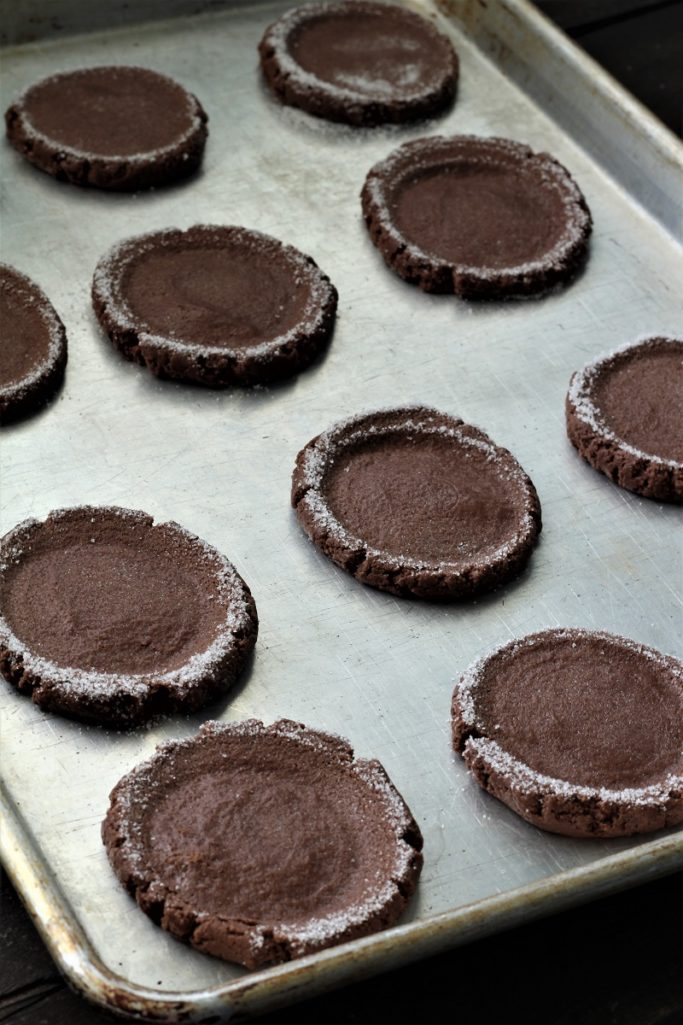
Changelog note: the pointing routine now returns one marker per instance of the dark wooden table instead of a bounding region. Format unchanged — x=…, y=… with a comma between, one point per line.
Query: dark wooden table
x=618, y=961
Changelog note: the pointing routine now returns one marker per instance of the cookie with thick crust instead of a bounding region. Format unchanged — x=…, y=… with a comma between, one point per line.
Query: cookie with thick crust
x=215, y=305
x=579, y=732
x=485, y=218
x=418, y=503
x=114, y=127
x=259, y=844
x=359, y=62
x=33, y=346
x=110, y=617
x=625, y=416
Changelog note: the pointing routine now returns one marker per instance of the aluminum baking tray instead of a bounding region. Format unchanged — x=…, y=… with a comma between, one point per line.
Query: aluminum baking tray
x=331, y=652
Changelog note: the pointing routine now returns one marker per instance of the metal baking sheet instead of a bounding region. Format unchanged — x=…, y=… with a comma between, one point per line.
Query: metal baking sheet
x=331, y=652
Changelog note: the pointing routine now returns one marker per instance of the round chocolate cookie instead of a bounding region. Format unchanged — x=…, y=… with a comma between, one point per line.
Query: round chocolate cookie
x=109, y=617
x=214, y=305
x=625, y=416
x=580, y=733
x=416, y=502
x=358, y=62
x=259, y=844
x=32, y=346
x=484, y=218
x=112, y=127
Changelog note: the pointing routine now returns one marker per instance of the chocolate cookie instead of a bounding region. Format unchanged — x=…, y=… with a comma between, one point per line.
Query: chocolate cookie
x=625, y=416
x=259, y=844
x=214, y=305
x=578, y=732
x=109, y=617
x=359, y=62
x=416, y=502
x=32, y=346
x=113, y=127
x=484, y=218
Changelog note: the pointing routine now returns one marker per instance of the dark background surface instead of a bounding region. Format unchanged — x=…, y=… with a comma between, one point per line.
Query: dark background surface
x=640, y=42
x=618, y=961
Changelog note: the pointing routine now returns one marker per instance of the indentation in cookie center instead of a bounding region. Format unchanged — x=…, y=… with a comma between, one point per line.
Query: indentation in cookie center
x=111, y=607
x=480, y=215
x=25, y=335
x=365, y=53
x=229, y=297
x=427, y=497
x=641, y=400
x=110, y=111
x=587, y=711
x=275, y=838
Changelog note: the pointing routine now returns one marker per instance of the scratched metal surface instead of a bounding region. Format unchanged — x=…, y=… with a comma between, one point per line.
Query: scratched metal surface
x=331, y=653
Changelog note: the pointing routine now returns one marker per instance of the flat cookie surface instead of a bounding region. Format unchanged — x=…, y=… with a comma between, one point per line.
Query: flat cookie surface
x=110, y=617
x=625, y=416
x=320, y=847
x=359, y=62
x=484, y=218
x=214, y=305
x=113, y=127
x=579, y=732
x=33, y=347
x=416, y=502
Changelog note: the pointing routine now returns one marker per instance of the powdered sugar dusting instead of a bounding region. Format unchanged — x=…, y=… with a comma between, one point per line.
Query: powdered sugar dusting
x=13, y=282
x=319, y=932
x=193, y=112
x=356, y=89
x=528, y=781
x=109, y=291
x=78, y=682
x=139, y=791
x=523, y=777
x=364, y=83
x=319, y=456
x=543, y=171
x=582, y=398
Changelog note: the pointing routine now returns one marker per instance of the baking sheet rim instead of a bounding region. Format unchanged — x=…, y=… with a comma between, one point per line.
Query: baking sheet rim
x=336, y=966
